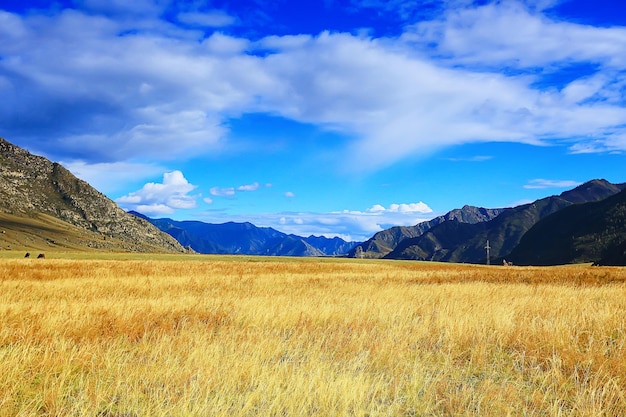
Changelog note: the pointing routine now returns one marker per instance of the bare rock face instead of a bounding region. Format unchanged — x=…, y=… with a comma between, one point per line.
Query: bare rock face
x=31, y=185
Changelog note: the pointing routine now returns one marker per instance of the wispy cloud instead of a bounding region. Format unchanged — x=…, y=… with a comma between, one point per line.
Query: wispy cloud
x=231, y=191
x=401, y=208
x=160, y=93
x=161, y=198
x=214, y=18
x=477, y=158
x=249, y=187
x=517, y=35
x=543, y=183
x=222, y=192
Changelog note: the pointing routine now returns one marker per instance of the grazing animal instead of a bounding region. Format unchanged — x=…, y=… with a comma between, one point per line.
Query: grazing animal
x=27, y=255
x=41, y=255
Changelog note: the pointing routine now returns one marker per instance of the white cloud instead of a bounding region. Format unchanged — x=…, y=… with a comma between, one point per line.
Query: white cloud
x=540, y=183
x=290, y=194
x=249, y=187
x=397, y=103
x=401, y=208
x=614, y=144
x=157, y=92
x=347, y=224
x=222, y=192
x=514, y=34
x=213, y=18
x=161, y=198
x=221, y=44
x=231, y=191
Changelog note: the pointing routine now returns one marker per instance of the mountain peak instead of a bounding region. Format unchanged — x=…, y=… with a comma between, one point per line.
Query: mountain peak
x=596, y=189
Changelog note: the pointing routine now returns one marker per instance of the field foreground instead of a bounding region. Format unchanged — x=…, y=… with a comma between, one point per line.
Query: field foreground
x=220, y=336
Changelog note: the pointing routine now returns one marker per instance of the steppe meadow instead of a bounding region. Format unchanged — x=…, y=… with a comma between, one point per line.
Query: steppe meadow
x=156, y=335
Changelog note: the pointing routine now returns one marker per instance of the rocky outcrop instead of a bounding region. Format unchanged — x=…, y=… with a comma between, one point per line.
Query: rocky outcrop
x=31, y=185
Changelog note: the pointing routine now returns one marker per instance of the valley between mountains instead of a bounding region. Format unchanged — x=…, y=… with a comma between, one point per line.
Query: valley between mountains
x=43, y=206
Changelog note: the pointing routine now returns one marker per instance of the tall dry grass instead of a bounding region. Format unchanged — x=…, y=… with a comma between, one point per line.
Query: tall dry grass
x=210, y=336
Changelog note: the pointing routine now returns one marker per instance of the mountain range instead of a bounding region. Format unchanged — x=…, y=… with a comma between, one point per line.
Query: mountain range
x=44, y=206
x=247, y=239
x=384, y=242
x=461, y=235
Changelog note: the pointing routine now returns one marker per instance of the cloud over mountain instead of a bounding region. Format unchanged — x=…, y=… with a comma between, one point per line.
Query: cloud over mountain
x=161, y=198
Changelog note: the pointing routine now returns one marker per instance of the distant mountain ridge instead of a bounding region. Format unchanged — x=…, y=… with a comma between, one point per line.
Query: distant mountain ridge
x=247, y=239
x=44, y=205
x=383, y=243
x=454, y=241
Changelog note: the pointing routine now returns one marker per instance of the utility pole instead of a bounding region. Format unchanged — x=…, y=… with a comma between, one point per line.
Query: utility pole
x=488, y=248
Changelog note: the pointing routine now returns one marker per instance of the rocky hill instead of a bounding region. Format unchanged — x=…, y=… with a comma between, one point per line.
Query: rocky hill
x=247, y=239
x=43, y=205
x=382, y=243
x=464, y=242
x=591, y=232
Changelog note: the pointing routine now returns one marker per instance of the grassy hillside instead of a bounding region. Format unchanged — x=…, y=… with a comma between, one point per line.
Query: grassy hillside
x=42, y=232
x=244, y=336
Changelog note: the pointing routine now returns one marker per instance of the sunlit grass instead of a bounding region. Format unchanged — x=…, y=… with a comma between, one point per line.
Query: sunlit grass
x=126, y=335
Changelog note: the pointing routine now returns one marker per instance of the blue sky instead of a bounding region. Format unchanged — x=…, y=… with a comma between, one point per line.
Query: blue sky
x=336, y=118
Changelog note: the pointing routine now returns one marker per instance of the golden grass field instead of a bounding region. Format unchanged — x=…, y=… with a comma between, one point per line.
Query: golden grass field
x=243, y=336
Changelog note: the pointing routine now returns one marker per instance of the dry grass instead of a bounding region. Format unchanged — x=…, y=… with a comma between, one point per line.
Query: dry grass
x=209, y=336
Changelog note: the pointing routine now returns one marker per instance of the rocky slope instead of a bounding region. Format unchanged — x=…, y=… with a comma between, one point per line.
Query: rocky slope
x=33, y=188
x=591, y=232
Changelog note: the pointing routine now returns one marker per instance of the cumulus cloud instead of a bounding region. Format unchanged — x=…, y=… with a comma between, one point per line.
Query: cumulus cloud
x=540, y=183
x=161, y=198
